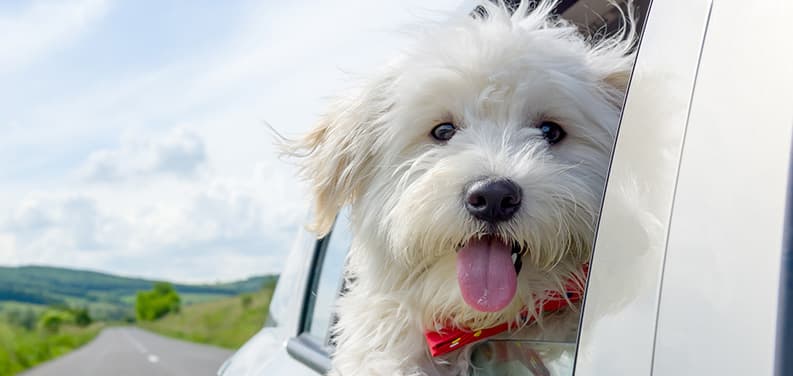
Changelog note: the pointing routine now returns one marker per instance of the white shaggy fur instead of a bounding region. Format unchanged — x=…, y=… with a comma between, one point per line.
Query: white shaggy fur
x=496, y=78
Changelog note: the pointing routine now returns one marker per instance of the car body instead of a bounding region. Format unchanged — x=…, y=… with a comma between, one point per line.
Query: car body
x=702, y=283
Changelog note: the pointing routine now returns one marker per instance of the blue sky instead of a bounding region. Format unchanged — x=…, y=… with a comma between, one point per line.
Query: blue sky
x=132, y=135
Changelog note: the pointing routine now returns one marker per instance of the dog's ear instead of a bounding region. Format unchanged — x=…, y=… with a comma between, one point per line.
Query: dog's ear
x=619, y=79
x=337, y=157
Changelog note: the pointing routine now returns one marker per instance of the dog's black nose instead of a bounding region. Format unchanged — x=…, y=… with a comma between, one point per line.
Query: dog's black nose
x=493, y=200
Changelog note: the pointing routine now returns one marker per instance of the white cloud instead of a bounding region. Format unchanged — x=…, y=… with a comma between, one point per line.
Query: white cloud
x=226, y=229
x=42, y=27
x=46, y=224
x=214, y=225
x=179, y=153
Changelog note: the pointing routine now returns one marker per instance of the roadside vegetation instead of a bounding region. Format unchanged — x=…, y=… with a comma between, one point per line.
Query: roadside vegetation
x=227, y=322
x=32, y=335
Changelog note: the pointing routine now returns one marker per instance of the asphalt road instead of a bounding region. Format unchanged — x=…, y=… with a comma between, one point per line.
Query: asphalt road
x=132, y=351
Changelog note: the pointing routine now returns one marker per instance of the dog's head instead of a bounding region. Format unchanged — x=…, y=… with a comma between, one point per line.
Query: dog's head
x=475, y=163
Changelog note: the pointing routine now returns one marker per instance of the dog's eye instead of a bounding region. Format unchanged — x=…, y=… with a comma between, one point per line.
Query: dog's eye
x=443, y=131
x=552, y=132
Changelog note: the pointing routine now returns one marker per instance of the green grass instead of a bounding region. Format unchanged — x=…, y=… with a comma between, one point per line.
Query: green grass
x=190, y=299
x=226, y=322
x=21, y=349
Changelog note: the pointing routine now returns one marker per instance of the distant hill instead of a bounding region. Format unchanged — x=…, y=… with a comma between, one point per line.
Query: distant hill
x=106, y=295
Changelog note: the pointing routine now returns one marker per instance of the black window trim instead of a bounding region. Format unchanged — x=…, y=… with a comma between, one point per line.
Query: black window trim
x=320, y=250
x=304, y=347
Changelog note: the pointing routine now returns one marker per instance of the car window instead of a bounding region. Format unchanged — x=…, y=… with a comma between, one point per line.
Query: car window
x=289, y=280
x=330, y=259
x=520, y=356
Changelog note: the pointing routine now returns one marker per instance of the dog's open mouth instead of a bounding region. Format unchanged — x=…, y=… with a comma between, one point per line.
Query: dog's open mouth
x=487, y=272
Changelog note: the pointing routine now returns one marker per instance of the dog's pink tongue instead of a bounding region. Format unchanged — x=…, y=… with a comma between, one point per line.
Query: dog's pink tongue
x=486, y=274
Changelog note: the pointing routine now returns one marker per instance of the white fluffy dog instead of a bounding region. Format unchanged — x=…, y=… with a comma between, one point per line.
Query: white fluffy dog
x=474, y=166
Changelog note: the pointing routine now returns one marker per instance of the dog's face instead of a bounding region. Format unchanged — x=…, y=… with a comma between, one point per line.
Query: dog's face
x=475, y=164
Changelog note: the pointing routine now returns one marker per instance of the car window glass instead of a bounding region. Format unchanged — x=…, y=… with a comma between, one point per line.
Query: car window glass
x=334, y=249
x=288, y=285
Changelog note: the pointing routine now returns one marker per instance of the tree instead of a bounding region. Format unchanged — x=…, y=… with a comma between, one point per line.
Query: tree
x=161, y=300
x=81, y=316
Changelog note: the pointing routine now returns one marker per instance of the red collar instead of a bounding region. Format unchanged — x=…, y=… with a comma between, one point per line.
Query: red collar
x=449, y=339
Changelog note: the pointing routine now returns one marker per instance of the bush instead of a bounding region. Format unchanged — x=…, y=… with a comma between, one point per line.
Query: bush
x=156, y=303
x=52, y=320
x=81, y=316
x=21, y=349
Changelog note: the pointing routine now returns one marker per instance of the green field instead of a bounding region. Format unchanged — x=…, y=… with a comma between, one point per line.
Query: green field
x=227, y=322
